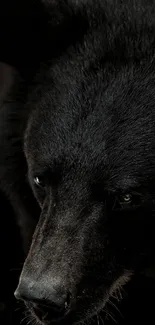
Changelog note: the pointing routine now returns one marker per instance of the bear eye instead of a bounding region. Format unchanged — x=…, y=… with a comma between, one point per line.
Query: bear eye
x=39, y=182
x=126, y=201
x=127, y=198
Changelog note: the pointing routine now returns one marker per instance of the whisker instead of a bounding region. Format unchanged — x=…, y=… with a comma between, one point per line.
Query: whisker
x=102, y=321
x=98, y=321
x=113, y=319
x=114, y=306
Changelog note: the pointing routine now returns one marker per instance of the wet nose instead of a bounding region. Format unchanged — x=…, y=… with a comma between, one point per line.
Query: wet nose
x=48, y=302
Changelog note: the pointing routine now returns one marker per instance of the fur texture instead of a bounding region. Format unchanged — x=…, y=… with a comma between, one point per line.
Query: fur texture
x=83, y=130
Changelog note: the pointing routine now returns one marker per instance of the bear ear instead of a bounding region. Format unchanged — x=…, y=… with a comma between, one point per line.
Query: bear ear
x=34, y=31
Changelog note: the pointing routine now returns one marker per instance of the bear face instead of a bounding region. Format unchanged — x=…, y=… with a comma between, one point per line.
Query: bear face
x=91, y=170
x=89, y=145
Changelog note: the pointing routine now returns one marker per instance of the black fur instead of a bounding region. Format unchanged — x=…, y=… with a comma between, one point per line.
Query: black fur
x=86, y=124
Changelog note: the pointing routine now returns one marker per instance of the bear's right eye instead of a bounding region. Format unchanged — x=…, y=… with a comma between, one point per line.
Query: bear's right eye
x=126, y=198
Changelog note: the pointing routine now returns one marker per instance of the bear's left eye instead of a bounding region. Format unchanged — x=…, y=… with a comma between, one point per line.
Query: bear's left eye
x=39, y=182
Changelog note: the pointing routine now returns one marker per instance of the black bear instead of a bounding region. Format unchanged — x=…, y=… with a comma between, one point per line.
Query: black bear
x=77, y=143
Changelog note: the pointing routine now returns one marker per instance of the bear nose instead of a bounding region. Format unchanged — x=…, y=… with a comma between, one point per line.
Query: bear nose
x=49, y=304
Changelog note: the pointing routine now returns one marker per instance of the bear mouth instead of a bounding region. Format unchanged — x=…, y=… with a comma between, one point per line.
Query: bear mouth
x=34, y=313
